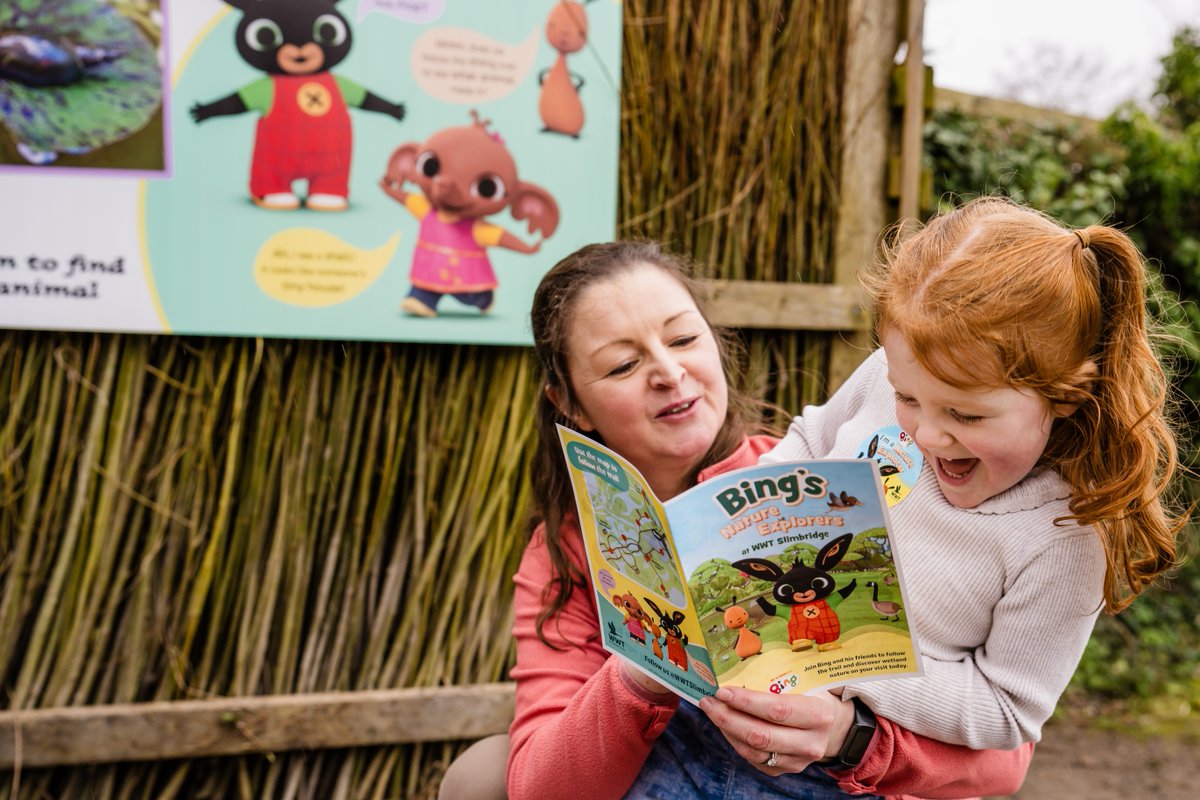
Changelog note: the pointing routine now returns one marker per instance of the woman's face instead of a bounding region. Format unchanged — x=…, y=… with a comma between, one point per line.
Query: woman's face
x=647, y=374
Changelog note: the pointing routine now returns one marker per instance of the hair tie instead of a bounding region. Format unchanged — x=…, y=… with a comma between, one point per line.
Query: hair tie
x=1082, y=236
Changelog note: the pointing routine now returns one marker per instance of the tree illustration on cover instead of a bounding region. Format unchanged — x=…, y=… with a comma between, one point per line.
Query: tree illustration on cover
x=304, y=132
x=633, y=540
x=75, y=75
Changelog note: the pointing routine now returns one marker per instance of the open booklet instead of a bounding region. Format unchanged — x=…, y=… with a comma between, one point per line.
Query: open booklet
x=778, y=577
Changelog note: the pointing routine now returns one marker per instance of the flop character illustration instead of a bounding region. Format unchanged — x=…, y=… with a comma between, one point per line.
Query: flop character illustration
x=736, y=618
x=806, y=595
x=304, y=132
x=464, y=174
x=559, y=105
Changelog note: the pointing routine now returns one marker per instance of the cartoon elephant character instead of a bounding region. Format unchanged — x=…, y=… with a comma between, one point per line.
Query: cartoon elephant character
x=304, y=132
x=464, y=173
x=637, y=621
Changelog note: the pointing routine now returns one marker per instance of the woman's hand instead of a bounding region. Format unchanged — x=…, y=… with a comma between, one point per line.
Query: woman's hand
x=793, y=730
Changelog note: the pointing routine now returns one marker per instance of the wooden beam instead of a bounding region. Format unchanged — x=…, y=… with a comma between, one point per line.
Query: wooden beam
x=872, y=41
x=786, y=306
x=1009, y=109
x=238, y=725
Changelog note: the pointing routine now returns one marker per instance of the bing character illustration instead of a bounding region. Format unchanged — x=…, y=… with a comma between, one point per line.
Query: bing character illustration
x=637, y=621
x=304, y=131
x=559, y=105
x=673, y=637
x=808, y=595
x=736, y=619
x=464, y=173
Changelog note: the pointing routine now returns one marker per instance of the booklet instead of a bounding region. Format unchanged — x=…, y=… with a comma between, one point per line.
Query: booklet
x=778, y=577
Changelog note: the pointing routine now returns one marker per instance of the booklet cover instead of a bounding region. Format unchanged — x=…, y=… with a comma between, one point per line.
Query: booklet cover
x=778, y=577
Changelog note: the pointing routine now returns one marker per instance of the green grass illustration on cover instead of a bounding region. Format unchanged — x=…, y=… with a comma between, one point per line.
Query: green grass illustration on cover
x=778, y=577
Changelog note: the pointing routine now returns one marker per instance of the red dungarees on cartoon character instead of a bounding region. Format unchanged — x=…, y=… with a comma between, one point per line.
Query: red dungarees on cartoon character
x=306, y=134
x=816, y=621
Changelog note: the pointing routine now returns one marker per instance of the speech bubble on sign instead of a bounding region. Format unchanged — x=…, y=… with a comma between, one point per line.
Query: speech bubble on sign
x=459, y=65
x=313, y=268
x=421, y=11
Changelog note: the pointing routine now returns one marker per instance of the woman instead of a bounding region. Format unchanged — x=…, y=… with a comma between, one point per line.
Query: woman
x=630, y=359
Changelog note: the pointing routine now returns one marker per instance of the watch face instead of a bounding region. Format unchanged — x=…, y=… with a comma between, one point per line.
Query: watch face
x=859, y=738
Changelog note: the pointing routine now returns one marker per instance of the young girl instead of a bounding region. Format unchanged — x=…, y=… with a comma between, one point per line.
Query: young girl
x=1015, y=354
x=629, y=358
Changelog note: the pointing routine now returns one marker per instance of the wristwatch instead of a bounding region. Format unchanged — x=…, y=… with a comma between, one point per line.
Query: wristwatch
x=862, y=730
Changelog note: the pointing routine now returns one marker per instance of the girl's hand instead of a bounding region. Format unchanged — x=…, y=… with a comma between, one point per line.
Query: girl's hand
x=794, y=729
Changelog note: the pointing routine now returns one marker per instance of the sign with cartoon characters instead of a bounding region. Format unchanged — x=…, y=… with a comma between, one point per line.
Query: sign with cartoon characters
x=352, y=169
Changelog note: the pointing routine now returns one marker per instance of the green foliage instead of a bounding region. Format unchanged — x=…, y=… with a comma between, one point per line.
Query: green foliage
x=1178, y=88
x=1062, y=168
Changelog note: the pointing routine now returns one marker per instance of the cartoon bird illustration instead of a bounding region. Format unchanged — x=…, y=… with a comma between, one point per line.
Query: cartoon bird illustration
x=889, y=610
x=843, y=500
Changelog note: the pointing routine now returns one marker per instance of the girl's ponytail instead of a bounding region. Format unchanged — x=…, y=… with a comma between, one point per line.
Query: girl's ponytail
x=1123, y=472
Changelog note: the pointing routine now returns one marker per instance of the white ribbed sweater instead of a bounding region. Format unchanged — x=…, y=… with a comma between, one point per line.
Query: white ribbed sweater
x=1002, y=600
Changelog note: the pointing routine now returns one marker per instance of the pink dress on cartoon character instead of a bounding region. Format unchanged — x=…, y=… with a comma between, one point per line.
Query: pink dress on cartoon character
x=449, y=258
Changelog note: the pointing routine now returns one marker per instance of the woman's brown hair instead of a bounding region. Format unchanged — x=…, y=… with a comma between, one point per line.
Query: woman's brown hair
x=996, y=293
x=554, y=303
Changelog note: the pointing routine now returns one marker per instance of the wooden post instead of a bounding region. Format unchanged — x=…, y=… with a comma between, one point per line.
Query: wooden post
x=914, y=114
x=866, y=123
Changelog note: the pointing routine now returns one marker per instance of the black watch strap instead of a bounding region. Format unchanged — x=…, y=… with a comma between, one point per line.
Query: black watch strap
x=862, y=731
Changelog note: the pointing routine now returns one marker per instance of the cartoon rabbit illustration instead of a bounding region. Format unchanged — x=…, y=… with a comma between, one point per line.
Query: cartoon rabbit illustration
x=304, y=132
x=736, y=619
x=808, y=594
x=675, y=639
x=464, y=173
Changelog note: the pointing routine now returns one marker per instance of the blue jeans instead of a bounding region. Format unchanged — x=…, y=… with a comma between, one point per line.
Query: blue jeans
x=693, y=761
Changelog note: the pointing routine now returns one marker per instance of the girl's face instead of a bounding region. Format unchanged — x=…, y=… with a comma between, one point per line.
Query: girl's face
x=647, y=374
x=980, y=441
